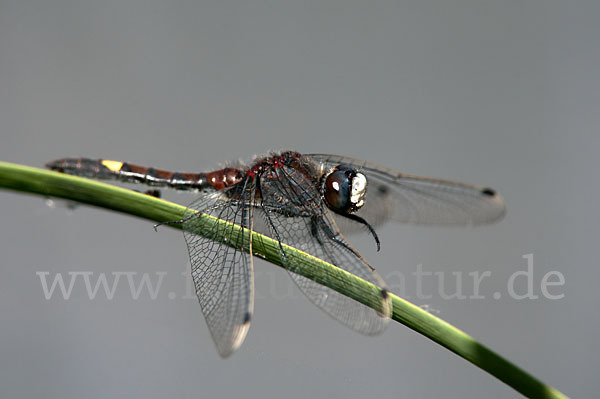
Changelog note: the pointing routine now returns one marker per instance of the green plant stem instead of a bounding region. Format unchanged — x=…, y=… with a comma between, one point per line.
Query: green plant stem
x=46, y=183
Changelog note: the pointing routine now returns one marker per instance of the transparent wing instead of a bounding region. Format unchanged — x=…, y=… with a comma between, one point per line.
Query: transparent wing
x=223, y=276
x=298, y=218
x=413, y=199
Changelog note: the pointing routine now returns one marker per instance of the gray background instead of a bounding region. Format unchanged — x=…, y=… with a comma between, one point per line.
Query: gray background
x=504, y=94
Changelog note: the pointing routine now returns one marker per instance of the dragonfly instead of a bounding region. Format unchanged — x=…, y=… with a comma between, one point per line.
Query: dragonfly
x=307, y=201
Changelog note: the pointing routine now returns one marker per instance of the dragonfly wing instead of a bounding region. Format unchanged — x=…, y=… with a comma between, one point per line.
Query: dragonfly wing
x=314, y=231
x=420, y=200
x=223, y=276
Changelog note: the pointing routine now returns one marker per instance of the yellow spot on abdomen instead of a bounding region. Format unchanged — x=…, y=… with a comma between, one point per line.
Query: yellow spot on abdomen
x=115, y=166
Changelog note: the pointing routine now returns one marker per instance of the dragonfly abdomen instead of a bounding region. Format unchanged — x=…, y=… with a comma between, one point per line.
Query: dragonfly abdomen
x=127, y=172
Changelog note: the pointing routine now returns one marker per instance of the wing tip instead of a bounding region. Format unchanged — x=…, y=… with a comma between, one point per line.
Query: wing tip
x=226, y=349
x=497, y=201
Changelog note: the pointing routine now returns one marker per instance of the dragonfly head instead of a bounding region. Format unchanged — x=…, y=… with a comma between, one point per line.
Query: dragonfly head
x=344, y=189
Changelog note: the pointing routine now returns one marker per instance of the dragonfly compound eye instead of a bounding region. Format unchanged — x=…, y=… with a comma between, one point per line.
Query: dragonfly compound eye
x=345, y=189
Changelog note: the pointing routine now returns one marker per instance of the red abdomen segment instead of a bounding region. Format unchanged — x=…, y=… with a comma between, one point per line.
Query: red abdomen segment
x=123, y=171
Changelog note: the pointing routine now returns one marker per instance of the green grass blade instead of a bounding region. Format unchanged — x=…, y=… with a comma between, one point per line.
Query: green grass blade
x=52, y=184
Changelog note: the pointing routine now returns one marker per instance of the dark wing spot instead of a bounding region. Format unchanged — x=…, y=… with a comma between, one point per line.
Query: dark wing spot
x=488, y=191
x=247, y=318
x=384, y=293
x=382, y=190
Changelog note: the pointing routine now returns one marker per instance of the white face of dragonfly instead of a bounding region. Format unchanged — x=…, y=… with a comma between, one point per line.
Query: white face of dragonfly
x=359, y=189
x=344, y=189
